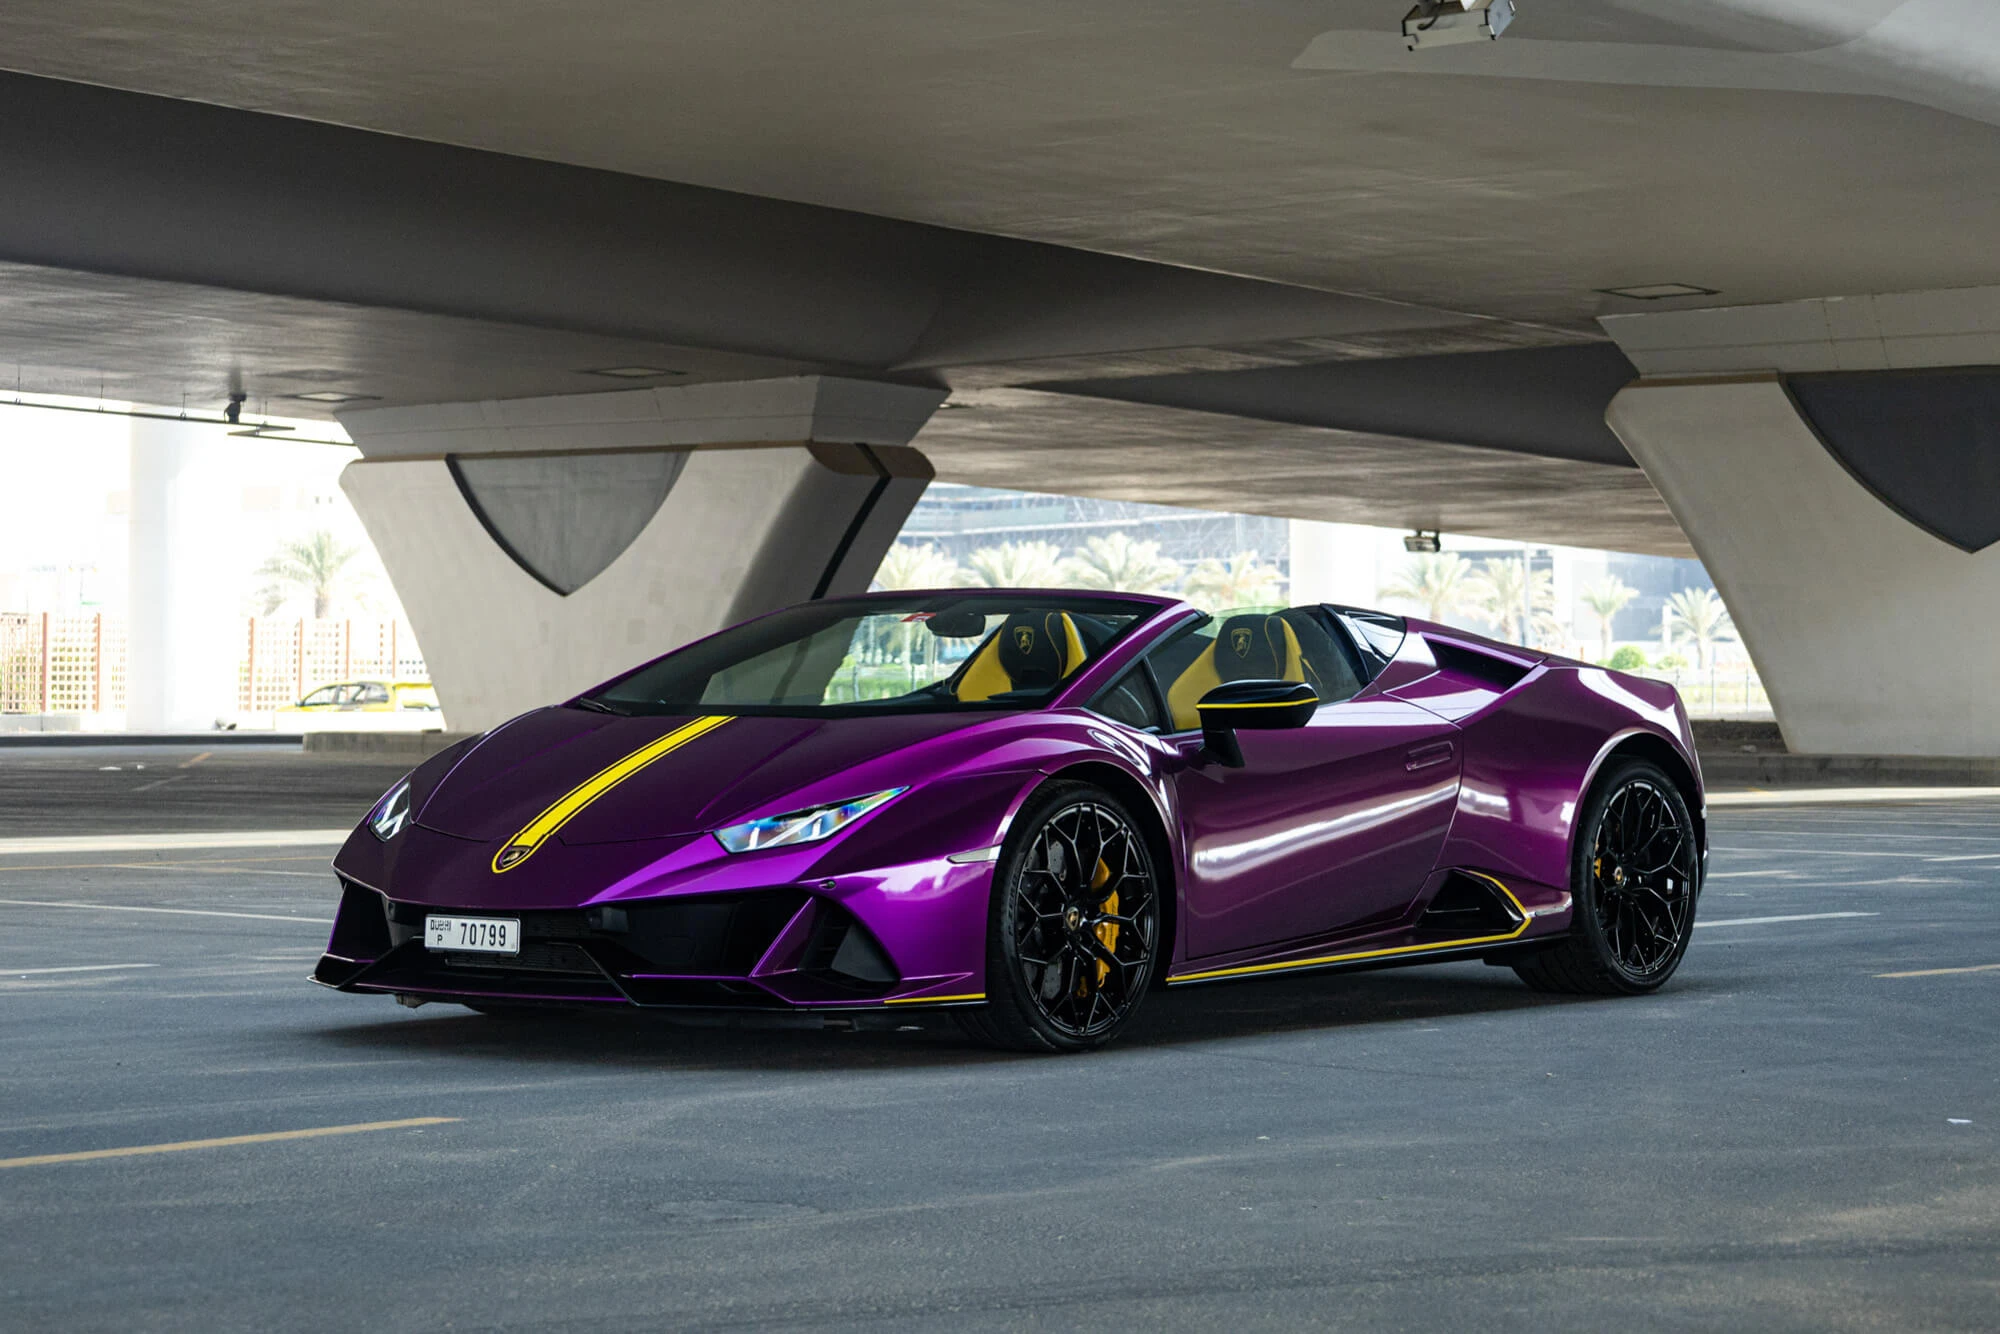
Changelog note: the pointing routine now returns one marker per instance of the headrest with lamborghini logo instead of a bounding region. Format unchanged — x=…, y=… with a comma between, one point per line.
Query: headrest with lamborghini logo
x=1032, y=650
x=1251, y=648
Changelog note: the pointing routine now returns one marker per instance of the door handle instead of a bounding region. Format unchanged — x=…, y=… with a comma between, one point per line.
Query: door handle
x=1423, y=757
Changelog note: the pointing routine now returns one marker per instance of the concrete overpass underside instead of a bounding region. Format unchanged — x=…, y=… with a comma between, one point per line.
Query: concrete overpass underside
x=1259, y=259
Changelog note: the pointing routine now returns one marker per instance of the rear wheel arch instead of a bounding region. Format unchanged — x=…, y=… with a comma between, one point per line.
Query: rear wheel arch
x=1612, y=913
x=1146, y=807
x=1657, y=751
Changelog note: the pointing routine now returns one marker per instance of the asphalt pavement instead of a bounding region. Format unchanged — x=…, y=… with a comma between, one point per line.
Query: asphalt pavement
x=1801, y=1133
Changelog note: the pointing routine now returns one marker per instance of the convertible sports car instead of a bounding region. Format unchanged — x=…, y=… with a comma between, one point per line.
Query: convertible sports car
x=1033, y=807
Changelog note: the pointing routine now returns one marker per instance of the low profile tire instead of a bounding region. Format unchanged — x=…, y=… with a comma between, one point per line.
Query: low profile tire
x=1074, y=929
x=1636, y=877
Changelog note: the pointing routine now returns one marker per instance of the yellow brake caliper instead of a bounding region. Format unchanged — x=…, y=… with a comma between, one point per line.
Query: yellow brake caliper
x=1107, y=932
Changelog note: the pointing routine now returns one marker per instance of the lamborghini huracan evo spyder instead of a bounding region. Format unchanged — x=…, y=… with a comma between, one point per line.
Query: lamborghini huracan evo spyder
x=1033, y=807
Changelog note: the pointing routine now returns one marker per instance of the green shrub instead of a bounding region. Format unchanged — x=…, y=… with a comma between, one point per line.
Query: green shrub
x=1629, y=658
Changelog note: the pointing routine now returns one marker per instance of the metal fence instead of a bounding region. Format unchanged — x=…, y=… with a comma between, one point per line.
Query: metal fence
x=1732, y=691
x=285, y=659
x=76, y=664
x=61, y=664
x=53, y=663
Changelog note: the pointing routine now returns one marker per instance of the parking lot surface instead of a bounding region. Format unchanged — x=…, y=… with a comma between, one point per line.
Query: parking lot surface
x=1800, y=1132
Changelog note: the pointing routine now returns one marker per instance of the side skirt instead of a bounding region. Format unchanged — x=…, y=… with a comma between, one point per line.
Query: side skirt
x=1509, y=925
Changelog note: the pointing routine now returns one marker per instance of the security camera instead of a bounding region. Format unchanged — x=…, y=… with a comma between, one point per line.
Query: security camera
x=1445, y=22
x=235, y=408
x=1423, y=543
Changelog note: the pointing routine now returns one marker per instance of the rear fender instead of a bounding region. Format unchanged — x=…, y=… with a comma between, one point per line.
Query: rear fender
x=1530, y=759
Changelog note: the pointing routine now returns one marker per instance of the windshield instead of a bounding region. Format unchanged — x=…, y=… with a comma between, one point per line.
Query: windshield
x=926, y=653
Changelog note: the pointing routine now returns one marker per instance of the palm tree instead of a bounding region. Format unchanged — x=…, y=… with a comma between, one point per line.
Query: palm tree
x=1012, y=565
x=1606, y=598
x=315, y=565
x=909, y=566
x=1235, y=581
x=1438, y=583
x=1115, y=561
x=1701, y=613
x=1520, y=601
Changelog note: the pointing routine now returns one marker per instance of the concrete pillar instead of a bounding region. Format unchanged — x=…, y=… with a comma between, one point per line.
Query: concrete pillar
x=1334, y=562
x=183, y=623
x=540, y=546
x=1855, y=549
x=1872, y=636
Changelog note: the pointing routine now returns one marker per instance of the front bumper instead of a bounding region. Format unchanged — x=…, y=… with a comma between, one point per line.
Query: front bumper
x=774, y=949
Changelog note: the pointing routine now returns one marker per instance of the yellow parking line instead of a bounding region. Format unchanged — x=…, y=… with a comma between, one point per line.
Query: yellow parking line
x=1940, y=972
x=189, y=764
x=42, y=1159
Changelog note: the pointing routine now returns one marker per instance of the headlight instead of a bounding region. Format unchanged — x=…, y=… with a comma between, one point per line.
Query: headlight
x=391, y=813
x=806, y=826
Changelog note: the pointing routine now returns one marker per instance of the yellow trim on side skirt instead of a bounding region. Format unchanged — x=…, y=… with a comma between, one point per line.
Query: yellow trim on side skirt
x=1324, y=960
x=522, y=846
x=931, y=1000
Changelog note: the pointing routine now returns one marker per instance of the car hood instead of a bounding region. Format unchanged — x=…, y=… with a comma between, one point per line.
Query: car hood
x=677, y=775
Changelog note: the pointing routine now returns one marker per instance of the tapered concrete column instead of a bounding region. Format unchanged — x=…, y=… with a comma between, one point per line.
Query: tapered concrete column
x=1843, y=492
x=183, y=626
x=542, y=545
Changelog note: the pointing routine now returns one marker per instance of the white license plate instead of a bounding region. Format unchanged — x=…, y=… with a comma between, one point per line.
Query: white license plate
x=473, y=935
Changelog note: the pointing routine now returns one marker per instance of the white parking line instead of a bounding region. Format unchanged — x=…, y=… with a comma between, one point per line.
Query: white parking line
x=221, y=838
x=1912, y=855
x=74, y=968
x=1941, y=972
x=185, y=912
x=1798, y=917
x=1837, y=796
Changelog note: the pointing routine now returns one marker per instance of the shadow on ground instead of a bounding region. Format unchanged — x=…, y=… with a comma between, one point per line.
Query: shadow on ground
x=1202, y=1014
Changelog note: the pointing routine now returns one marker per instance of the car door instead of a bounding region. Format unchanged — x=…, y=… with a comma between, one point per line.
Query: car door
x=1326, y=828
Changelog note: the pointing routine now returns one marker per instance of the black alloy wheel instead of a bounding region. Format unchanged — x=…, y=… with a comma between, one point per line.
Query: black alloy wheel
x=1075, y=925
x=1636, y=881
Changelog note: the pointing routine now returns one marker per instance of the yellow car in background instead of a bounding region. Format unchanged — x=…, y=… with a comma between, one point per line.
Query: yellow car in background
x=364, y=706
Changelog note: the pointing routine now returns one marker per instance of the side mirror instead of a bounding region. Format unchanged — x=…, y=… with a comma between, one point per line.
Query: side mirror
x=1263, y=706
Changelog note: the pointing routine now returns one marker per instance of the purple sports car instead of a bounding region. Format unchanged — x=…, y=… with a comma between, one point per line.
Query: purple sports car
x=1033, y=807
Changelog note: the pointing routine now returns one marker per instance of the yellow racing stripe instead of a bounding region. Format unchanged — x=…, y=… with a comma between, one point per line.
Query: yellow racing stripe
x=522, y=846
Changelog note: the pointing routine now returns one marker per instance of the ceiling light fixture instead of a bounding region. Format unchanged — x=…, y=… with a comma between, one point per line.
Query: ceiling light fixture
x=1658, y=291
x=334, y=396
x=634, y=372
x=1447, y=22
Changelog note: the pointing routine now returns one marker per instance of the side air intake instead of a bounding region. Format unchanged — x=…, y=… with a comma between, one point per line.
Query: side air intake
x=1501, y=673
x=1469, y=905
